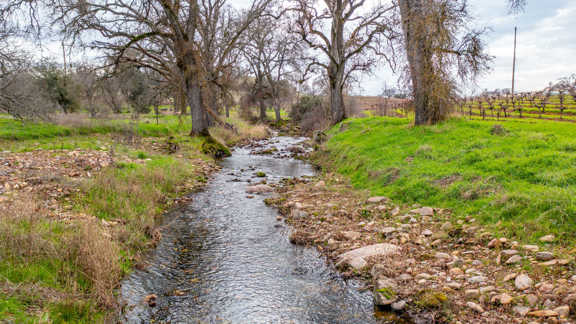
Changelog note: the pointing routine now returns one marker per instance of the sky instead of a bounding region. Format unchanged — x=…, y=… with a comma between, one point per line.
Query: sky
x=546, y=48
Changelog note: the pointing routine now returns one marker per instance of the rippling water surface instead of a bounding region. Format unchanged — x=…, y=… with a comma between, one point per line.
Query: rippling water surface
x=225, y=258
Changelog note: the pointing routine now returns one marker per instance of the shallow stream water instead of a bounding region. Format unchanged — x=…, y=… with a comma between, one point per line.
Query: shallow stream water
x=225, y=258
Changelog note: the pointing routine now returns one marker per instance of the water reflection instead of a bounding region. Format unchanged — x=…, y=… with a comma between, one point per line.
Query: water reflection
x=225, y=259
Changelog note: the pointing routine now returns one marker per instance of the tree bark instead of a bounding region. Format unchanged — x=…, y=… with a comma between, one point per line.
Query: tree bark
x=188, y=63
x=277, y=112
x=337, y=109
x=337, y=67
x=419, y=60
x=262, y=105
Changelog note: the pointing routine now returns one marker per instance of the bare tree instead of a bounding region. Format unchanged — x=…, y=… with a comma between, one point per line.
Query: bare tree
x=353, y=36
x=110, y=84
x=220, y=28
x=89, y=84
x=272, y=55
x=158, y=35
x=438, y=43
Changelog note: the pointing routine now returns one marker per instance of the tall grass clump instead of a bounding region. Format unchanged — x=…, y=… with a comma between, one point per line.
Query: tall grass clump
x=135, y=194
x=49, y=264
x=243, y=131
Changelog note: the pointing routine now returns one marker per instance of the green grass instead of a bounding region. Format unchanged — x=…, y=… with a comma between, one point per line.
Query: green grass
x=521, y=184
x=15, y=130
x=136, y=192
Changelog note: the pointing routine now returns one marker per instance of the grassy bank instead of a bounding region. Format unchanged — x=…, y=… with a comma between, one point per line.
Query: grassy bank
x=66, y=243
x=519, y=180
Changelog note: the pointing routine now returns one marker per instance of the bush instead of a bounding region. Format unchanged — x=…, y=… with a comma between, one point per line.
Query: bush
x=305, y=105
x=310, y=113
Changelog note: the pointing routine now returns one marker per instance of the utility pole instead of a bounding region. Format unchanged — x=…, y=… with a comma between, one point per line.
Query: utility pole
x=514, y=70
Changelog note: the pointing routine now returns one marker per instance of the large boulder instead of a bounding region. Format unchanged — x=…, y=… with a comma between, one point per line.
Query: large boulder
x=357, y=258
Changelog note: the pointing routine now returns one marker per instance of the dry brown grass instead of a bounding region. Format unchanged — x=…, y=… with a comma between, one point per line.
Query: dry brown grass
x=24, y=231
x=81, y=250
x=97, y=255
x=244, y=131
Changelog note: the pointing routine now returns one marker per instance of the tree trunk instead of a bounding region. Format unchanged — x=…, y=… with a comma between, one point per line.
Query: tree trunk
x=337, y=110
x=188, y=63
x=419, y=60
x=262, y=110
x=277, y=112
x=337, y=67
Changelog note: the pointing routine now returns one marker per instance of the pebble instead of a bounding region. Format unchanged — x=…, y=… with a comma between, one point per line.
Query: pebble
x=514, y=259
x=377, y=200
x=388, y=230
x=454, y=285
x=487, y=289
x=475, y=307
x=456, y=272
x=547, y=238
x=427, y=233
x=544, y=256
x=523, y=282
x=494, y=243
x=385, y=284
x=532, y=300
x=404, y=277
x=424, y=211
x=503, y=299
x=521, y=310
x=477, y=279
x=563, y=311
x=444, y=256
x=548, y=304
x=543, y=313
x=399, y=305
x=472, y=293
x=546, y=288
x=532, y=248
x=352, y=236
x=509, y=252
x=446, y=226
x=510, y=277
x=423, y=276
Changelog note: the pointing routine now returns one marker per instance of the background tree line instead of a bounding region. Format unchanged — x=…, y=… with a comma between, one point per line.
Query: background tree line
x=208, y=55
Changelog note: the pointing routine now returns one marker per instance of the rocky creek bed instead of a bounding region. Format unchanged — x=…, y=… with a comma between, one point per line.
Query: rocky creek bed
x=422, y=262
x=226, y=256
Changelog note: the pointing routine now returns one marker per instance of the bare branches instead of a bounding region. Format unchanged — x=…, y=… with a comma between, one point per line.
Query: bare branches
x=350, y=36
x=441, y=52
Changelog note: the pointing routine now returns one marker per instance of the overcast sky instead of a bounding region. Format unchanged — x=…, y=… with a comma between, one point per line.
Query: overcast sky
x=546, y=45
